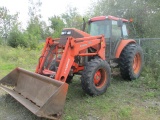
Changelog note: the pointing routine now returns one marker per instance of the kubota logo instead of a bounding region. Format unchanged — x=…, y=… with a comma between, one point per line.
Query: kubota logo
x=83, y=45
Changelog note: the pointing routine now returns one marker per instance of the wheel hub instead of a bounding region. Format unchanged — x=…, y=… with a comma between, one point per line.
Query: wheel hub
x=100, y=78
x=136, y=63
x=97, y=77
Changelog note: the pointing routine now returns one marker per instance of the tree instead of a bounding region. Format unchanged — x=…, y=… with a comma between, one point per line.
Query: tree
x=142, y=12
x=7, y=21
x=72, y=18
x=16, y=38
x=34, y=27
x=46, y=31
x=57, y=25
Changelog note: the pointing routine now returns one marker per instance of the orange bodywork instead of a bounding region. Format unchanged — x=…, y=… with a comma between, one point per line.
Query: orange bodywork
x=107, y=17
x=121, y=46
x=73, y=48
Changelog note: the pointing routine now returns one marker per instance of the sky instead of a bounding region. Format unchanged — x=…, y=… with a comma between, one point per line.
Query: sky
x=49, y=7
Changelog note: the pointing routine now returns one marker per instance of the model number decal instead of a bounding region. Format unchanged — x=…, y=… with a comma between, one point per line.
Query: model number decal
x=66, y=66
x=83, y=45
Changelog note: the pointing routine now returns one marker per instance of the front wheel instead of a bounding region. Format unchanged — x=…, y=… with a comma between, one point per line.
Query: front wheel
x=96, y=77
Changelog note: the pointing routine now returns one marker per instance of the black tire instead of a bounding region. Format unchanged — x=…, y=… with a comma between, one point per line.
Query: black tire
x=54, y=66
x=92, y=83
x=69, y=79
x=131, y=61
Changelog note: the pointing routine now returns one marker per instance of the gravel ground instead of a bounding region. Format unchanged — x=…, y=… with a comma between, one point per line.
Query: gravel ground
x=10, y=109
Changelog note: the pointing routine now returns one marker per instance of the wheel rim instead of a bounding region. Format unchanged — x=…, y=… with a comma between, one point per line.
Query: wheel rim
x=137, y=63
x=100, y=78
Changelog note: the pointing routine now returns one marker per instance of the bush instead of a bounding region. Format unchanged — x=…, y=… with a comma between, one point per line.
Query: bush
x=152, y=63
x=16, y=39
x=2, y=41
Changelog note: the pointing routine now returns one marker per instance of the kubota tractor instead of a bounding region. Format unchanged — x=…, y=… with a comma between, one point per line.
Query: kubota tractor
x=75, y=52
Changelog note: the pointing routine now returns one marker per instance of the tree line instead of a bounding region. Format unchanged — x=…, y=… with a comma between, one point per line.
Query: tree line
x=145, y=14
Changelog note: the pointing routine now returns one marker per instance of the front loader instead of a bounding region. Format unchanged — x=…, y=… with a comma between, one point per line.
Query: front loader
x=75, y=52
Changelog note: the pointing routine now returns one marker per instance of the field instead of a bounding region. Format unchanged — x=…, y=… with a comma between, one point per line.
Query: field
x=124, y=100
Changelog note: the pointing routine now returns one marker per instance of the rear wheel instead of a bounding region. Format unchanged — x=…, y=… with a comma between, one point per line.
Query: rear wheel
x=96, y=77
x=131, y=62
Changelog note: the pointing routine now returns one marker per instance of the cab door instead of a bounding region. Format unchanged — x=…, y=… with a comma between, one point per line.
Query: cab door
x=116, y=37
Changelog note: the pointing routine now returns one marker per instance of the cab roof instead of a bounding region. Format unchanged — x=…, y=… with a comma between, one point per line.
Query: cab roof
x=98, y=18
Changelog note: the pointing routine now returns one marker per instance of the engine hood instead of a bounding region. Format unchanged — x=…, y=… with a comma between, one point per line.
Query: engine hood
x=73, y=32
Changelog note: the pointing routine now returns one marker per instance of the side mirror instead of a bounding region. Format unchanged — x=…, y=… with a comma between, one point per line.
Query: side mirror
x=119, y=23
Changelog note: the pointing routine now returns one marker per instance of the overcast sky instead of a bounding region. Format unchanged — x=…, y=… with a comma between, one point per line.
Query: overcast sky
x=49, y=7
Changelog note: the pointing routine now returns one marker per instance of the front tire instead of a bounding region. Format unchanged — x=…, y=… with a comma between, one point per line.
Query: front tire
x=54, y=66
x=96, y=77
x=131, y=62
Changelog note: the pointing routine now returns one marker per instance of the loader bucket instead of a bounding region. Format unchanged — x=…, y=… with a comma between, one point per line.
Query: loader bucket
x=43, y=96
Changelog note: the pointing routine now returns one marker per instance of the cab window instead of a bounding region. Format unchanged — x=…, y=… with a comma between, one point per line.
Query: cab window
x=100, y=28
x=116, y=31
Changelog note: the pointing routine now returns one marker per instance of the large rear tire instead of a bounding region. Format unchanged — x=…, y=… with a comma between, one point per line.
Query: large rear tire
x=95, y=77
x=131, y=62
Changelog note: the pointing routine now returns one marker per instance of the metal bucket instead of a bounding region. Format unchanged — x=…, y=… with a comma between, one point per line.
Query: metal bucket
x=43, y=96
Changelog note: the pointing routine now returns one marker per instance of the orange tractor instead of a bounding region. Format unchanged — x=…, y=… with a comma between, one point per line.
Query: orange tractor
x=76, y=52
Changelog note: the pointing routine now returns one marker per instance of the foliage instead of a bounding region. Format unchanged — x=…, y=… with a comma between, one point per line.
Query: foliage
x=152, y=62
x=46, y=30
x=37, y=29
x=72, y=18
x=143, y=12
x=34, y=24
x=57, y=25
x=1, y=40
x=16, y=38
x=17, y=57
x=7, y=21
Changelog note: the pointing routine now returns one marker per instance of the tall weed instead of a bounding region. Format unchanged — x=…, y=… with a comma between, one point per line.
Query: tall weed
x=17, y=57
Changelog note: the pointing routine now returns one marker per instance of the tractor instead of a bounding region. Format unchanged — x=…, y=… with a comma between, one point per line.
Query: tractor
x=76, y=53
x=125, y=52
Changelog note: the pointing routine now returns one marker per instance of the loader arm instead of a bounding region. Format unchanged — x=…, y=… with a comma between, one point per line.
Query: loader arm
x=73, y=48
x=45, y=51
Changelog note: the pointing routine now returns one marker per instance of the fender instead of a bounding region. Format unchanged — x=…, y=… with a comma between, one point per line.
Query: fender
x=121, y=46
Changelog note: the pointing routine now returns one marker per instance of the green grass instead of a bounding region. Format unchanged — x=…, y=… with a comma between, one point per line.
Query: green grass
x=11, y=58
x=124, y=100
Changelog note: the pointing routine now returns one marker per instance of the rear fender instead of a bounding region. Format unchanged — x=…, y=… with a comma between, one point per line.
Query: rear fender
x=121, y=46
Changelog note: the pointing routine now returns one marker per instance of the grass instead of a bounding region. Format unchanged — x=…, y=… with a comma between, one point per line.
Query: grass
x=11, y=58
x=124, y=100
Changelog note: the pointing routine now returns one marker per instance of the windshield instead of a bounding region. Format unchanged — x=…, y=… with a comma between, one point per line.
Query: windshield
x=99, y=28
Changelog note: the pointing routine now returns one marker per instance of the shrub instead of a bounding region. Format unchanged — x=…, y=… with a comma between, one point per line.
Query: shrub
x=16, y=39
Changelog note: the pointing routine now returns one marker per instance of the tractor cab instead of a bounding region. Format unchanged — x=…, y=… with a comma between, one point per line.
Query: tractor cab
x=114, y=30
